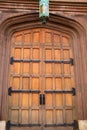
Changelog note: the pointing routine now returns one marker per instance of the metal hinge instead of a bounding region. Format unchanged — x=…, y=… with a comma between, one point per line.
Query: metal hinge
x=9, y=125
x=12, y=60
x=61, y=61
x=73, y=92
x=74, y=124
x=10, y=91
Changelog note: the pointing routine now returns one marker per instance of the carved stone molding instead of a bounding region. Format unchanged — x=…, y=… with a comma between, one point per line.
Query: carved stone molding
x=55, y=6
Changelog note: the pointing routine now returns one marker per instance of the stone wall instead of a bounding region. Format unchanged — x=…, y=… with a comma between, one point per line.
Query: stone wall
x=82, y=124
x=2, y=125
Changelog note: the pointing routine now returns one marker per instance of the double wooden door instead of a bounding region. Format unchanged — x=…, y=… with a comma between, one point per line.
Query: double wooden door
x=41, y=88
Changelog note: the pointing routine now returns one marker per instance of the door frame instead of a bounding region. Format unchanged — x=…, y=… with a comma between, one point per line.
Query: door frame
x=56, y=22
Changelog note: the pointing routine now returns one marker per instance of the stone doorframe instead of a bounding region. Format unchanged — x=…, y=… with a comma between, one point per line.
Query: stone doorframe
x=27, y=21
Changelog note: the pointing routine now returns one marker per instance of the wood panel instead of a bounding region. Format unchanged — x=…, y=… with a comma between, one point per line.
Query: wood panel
x=25, y=108
x=58, y=107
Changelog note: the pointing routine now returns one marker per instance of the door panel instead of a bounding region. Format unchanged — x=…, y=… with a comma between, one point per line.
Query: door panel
x=41, y=77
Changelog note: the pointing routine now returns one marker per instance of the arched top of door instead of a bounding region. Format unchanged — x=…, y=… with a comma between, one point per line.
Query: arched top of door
x=31, y=20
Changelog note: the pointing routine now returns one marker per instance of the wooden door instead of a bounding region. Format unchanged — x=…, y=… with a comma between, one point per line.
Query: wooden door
x=41, y=81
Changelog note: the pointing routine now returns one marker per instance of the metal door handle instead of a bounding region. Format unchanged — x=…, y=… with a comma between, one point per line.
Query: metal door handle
x=42, y=99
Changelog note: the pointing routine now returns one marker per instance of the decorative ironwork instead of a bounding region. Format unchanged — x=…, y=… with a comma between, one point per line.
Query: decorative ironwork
x=74, y=124
x=12, y=60
x=73, y=92
x=60, y=61
x=10, y=91
x=9, y=124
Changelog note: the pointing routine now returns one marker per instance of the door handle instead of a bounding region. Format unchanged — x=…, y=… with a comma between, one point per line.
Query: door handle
x=42, y=99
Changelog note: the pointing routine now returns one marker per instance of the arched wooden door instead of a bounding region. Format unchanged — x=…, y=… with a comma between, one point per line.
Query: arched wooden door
x=41, y=81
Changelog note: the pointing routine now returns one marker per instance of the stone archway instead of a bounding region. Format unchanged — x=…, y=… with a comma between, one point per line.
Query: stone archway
x=55, y=22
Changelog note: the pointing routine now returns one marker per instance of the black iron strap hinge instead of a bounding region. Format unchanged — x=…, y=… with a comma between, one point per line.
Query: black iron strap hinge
x=42, y=99
x=9, y=124
x=10, y=91
x=73, y=92
x=61, y=61
x=74, y=124
x=12, y=60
